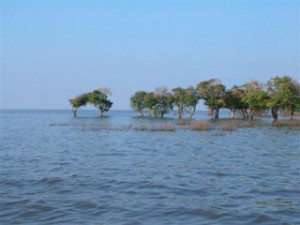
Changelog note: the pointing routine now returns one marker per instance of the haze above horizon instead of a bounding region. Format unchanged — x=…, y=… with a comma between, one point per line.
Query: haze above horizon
x=53, y=50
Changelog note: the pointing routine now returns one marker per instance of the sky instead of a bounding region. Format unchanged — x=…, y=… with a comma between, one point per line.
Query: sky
x=53, y=50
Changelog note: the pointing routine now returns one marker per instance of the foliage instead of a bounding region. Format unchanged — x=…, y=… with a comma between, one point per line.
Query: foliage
x=279, y=94
x=78, y=102
x=284, y=94
x=100, y=100
x=164, y=101
x=233, y=100
x=150, y=103
x=212, y=91
x=191, y=100
x=254, y=97
x=179, y=96
x=137, y=101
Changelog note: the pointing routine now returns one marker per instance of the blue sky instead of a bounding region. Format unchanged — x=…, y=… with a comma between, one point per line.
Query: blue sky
x=54, y=50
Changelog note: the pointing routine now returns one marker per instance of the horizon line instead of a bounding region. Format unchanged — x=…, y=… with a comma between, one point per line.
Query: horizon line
x=81, y=109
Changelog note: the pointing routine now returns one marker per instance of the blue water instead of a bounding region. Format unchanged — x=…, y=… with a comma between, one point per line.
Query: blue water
x=55, y=169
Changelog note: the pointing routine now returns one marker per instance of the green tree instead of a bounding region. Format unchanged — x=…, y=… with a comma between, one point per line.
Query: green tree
x=212, y=91
x=233, y=101
x=137, y=101
x=284, y=94
x=150, y=103
x=100, y=100
x=164, y=101
x=191, y=99
x=179, y=96
x=78, y=102
x=254, y=97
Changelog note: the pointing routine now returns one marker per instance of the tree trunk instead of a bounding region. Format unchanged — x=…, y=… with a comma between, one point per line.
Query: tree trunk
x=212, y=113
x=216, y=116
x=274, y=113
x=232, y=112
x=251, y=114
x=101, y=113
x=245, y=113
x=179, y=114
x=192, y=113
x=291, y=113
x=74, y=112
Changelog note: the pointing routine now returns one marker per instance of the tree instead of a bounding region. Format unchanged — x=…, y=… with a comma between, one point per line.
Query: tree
x=179, y=100
x=78, y=102
x=137, y=101
x=233, y=101
x=164, y=101
x=254, y=97
x=100, y=100
x=284, y=94
x=212, y=91
x=150, y=103
x=185, y=100
x=191, y=100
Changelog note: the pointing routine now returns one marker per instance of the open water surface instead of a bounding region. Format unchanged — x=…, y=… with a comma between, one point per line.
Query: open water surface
x=55, y=169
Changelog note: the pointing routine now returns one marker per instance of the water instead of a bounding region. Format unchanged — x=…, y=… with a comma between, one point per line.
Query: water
x=56, y=169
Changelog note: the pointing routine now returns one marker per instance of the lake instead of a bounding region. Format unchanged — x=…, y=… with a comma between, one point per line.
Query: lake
x=56, y=169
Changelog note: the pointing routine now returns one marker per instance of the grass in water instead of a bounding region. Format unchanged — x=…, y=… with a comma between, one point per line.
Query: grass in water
x=166, y=128
x=200, y=125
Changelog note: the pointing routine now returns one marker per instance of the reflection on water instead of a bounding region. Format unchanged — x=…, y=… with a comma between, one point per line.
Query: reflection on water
x=56, y=169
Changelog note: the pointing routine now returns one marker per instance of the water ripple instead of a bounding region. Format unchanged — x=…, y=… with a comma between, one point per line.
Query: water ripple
x=80, y=171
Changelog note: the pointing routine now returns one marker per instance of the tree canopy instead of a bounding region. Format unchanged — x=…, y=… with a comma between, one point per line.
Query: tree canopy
x=164, y=101
x=283, y=93
x=279, y=94
x=212, y=92
x=255, y=98
x=98, y=98
x=77, y=102
x=137, y=101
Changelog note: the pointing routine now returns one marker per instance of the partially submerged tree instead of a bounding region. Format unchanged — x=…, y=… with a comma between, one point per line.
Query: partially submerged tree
x=185, y=100
x=284, y=94
x=212, y=91
x=158, y=102
x=254, y=97
x=137, y=101
x=150, y=103
x=100, y=100
x=161, y=101
x=233, y=101
x=164, y=101
x=191, y=100
x=179, y=100
x=77, y=102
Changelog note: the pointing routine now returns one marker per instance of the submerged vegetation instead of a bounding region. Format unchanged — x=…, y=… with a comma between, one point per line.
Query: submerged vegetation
x=286, y=123
x=200, y=125
x=221, y=126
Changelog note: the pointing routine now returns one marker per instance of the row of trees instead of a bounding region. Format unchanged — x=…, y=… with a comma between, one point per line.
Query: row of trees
x=161, y=101
x=98, y=98
x=278, y=94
